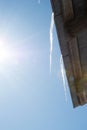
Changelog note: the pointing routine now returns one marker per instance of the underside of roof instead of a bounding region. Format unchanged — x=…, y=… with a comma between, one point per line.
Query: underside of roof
x=71, y=24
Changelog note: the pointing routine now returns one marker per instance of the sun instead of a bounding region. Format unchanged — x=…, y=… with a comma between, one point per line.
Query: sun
x=7, y=53
x=4, y=55
x=11, y=54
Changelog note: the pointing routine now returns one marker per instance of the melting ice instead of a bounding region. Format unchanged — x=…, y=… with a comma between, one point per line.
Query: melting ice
x=51, y=38
x=38, y=1
x=61, y=59
x=63, y=76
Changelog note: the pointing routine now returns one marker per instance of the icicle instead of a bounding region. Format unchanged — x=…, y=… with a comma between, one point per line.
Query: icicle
x=51, y=38
x=63, y=77
x=38, y=1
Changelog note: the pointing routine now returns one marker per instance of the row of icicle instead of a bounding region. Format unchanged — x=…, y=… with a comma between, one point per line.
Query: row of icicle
x=61, y=59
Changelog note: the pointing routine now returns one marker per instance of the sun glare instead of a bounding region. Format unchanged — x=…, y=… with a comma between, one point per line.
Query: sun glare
x=7, y=53
x=4, y=55
x=11, y=53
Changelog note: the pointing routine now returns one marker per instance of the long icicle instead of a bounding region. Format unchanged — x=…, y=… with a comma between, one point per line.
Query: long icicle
x=39, y=1
x=63, y=77
x=51, y=39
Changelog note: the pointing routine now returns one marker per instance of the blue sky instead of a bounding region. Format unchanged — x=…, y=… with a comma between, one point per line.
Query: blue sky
x=32, y=98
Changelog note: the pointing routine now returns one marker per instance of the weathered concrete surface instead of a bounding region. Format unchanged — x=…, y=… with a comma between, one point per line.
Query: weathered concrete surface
x=71, y=24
